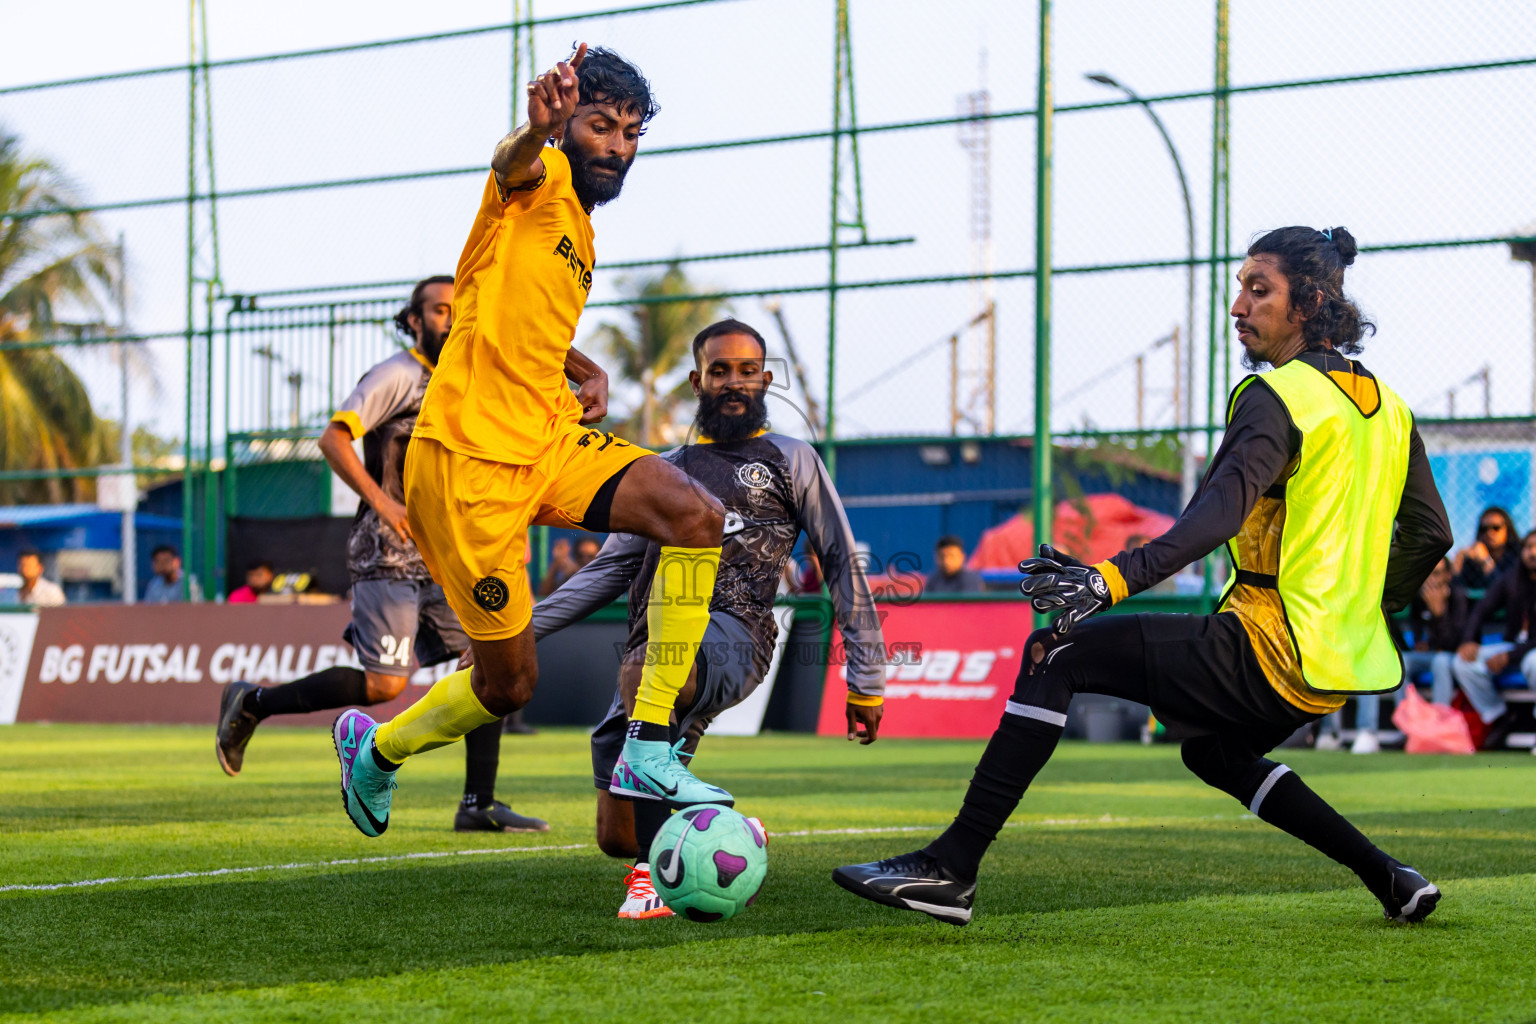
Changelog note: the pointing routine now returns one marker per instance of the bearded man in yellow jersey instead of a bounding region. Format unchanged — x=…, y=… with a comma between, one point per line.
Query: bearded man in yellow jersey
x=502, y=442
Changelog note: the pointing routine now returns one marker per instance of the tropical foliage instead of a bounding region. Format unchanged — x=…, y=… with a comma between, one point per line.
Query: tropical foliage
x=652, y=355
x=56, y=273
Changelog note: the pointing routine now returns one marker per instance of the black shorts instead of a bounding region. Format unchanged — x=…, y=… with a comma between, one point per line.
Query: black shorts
x=1198, y=673
x=1203, y=675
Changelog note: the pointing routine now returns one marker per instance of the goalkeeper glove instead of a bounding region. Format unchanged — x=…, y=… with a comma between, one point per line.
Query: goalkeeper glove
x=1058, y=582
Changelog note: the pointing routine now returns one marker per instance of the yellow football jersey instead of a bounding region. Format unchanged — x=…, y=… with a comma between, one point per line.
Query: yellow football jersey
x=499, y=391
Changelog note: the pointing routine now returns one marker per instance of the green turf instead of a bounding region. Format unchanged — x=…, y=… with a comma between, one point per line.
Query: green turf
x=1123, y=890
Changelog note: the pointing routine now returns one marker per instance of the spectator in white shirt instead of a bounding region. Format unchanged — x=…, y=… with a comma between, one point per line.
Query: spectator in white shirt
x=35, y=590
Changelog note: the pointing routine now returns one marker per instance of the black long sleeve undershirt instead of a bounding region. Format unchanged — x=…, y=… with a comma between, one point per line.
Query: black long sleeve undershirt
x=1259, y=443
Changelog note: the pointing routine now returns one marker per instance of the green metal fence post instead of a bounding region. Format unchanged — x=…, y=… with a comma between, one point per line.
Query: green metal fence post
x=186, y=469
x=1226, y=196
x=211, y=514
x=1042, y=500
x=1220, y=234
x=540, y=555
x=522, y=32
x=228, y=476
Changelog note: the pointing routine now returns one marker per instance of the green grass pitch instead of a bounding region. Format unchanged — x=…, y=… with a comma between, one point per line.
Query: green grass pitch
x=1122, y=890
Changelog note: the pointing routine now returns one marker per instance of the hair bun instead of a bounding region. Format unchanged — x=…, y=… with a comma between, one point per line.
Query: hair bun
x=1345, y=243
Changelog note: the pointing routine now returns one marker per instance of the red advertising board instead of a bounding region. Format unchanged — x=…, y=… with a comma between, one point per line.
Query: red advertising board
x=169, y=663
x=955, y=664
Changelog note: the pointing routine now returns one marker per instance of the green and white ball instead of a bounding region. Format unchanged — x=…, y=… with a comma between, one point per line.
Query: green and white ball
x=708, y=862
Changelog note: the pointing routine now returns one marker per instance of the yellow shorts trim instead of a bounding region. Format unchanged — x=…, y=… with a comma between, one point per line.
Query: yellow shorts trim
x=470, y=518
x=865, y=700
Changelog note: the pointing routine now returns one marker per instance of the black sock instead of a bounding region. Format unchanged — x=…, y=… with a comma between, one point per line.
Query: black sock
x=1291, y=805
x=482, y=754
x=383, y=763
x=1014, y=756
x=649, y=731
x=650, y=816
x=338, y=687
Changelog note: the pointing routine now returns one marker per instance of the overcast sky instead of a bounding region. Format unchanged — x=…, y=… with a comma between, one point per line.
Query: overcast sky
x=1413, y=159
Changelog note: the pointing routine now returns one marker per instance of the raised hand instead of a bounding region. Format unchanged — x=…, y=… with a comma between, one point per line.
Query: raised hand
x=554, y=95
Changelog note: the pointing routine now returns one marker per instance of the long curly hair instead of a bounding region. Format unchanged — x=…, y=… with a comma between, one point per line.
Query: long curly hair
x=1313, y=263
x=605, y=77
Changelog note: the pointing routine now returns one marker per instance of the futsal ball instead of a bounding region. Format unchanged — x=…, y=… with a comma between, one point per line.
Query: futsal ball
x=708, y=862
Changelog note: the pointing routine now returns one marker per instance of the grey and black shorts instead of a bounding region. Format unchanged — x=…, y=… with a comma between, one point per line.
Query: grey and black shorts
x=388, y=615
x=730, y=667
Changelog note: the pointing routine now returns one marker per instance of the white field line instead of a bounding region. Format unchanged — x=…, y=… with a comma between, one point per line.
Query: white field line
x=438, y=854
x=283, y=867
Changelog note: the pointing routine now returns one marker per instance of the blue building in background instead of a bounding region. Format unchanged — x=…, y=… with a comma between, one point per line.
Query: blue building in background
x=80, y=544
x=902, y=494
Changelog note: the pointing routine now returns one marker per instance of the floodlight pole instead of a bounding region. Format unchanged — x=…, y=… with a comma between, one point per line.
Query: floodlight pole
x=1182, y=359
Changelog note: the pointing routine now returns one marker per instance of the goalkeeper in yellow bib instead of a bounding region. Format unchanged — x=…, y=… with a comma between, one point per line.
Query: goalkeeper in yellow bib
x=1322, y=492
x=502, y=442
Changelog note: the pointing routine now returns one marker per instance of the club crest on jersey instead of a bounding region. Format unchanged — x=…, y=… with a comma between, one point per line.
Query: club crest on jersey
x=491, y=594
x=754, y=475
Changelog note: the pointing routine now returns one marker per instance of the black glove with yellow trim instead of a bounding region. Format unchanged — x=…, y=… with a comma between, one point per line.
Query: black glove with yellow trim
x=1058, y=582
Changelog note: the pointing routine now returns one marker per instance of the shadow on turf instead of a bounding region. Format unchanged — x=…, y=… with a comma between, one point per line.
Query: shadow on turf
x=114, y=945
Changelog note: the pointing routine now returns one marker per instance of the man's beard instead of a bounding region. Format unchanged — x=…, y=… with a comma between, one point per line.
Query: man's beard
x=431, y=343
x=722, y=427
x=1253, y=362
x=593, y=190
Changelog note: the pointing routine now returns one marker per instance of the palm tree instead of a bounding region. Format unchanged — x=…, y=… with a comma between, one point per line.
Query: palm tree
x=657, y=345
x=55, y=273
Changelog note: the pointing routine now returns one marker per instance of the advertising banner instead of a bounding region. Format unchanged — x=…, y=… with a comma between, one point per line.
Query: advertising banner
x=1473, y=477
x=169, y=663
x=746, y=718
x=16, y=632
x=954, y=664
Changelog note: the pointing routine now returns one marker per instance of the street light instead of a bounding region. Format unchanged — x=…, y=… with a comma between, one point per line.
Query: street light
x=1187, y=474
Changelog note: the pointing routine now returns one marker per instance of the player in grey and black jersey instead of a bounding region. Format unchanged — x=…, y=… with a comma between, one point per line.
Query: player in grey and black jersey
x=396, y=607
x=773, y=488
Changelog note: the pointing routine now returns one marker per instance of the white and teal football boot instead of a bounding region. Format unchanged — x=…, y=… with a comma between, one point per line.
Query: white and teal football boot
x=366, y=789
x=654, y=770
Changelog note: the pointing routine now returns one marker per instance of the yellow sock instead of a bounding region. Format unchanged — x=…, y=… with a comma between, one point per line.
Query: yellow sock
x=675, y=616
x=448, y=711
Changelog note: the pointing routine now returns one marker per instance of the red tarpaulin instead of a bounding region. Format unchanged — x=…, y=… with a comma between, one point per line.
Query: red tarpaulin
x=1111, y=521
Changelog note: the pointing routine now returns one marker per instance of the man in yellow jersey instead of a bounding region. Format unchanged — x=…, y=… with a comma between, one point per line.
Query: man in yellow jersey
x=1323, y=494
x=502, y=442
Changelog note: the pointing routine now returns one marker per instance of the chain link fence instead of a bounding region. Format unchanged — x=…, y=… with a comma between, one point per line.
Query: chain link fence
x=258, y=221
